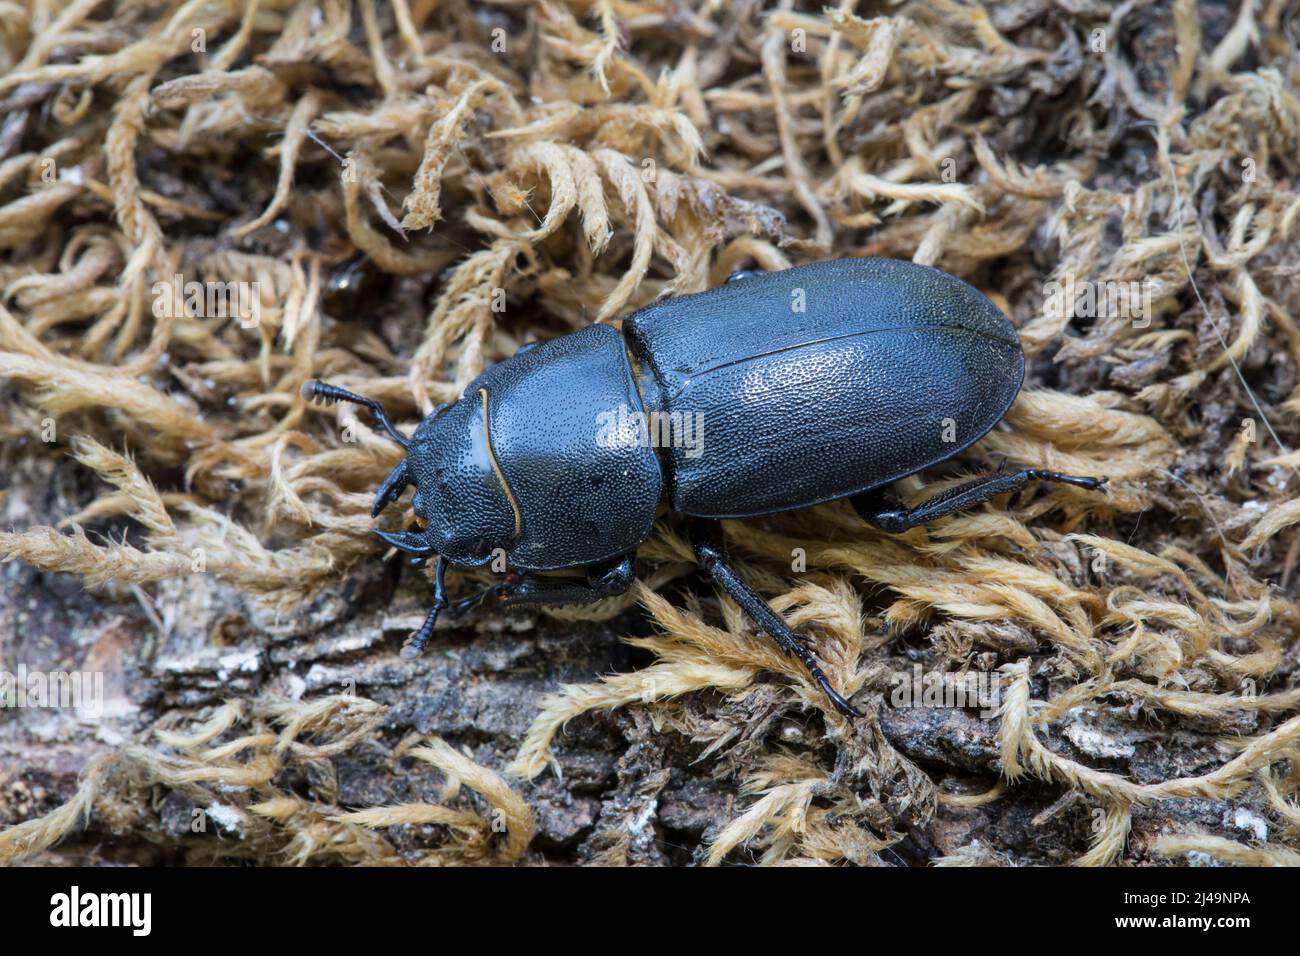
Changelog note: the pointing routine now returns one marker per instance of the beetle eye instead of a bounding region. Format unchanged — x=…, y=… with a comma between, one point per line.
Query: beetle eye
x=422, y=522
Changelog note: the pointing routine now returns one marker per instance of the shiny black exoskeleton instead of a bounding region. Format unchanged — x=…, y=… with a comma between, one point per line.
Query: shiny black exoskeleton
x=774, y=392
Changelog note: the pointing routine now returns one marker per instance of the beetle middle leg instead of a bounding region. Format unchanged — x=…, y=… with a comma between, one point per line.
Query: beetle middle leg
x=706, y=540
x=876, y=510
x=602, y=582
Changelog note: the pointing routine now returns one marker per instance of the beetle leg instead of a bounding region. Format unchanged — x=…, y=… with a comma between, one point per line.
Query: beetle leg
x=600, y=583
x=414, y=645
x=538, y=589
x=894, y=518
x=478, y=598
x=528, y=589
x=706, y=540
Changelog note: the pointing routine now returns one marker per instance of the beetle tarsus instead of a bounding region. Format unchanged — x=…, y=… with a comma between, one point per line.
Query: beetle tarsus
x=414, y=645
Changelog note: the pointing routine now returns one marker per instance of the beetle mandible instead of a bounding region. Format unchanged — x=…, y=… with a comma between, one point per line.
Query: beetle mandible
x=829, y=380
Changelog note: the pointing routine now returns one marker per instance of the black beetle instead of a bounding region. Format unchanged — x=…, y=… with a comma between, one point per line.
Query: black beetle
x=825, y=381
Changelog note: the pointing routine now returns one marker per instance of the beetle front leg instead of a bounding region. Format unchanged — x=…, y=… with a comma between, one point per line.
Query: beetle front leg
x=706, y=540
x=875, y=510
x=414, y=645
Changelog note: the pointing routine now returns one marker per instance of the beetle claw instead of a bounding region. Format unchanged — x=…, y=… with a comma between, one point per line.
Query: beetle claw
x=799, y=647
x=842, y=705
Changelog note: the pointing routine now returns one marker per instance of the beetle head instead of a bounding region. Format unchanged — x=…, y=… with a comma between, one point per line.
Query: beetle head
x=461, y=500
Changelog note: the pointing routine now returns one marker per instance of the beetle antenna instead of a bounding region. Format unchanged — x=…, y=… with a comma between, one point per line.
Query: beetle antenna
x=312, y=389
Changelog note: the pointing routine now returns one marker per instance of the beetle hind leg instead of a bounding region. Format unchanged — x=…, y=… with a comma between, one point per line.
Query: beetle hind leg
x=875, y=510
x=706, y=541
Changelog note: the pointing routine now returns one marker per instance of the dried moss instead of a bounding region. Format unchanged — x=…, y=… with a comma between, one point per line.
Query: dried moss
x=391, y=174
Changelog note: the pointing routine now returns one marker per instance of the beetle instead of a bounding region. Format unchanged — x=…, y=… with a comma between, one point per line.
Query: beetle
x=825, y=381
